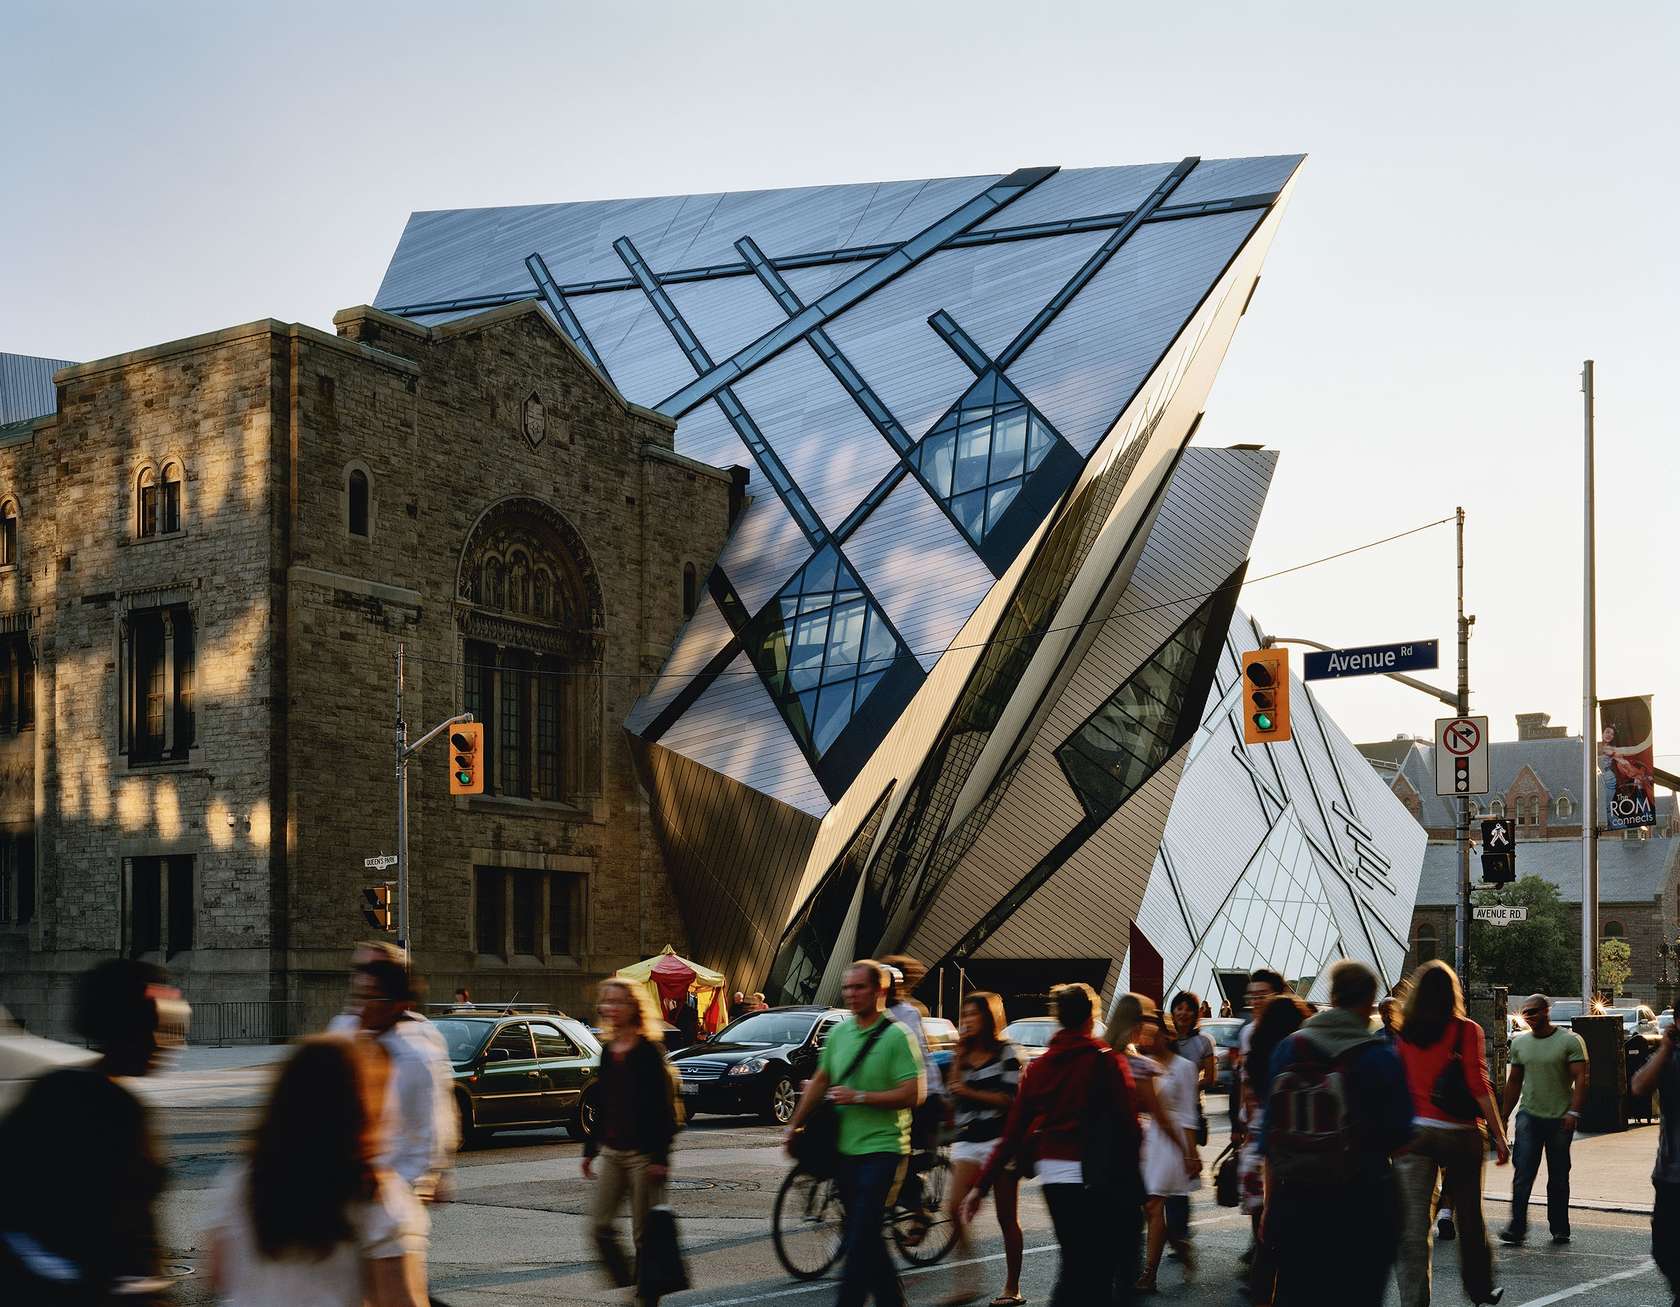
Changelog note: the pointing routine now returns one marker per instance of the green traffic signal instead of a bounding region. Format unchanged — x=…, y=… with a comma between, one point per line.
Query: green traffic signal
x=1263, y=721
x=464, y=777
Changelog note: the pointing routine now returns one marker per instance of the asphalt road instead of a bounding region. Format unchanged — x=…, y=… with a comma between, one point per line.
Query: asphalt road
x=515, y=1232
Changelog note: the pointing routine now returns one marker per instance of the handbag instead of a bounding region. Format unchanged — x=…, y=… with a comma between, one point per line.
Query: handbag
x=1451, y=1090
x=659, y=1261
x=1227, y=1185
x=816, y=1147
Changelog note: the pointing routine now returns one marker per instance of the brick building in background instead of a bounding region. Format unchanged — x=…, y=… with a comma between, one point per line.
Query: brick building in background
x=1536, y=779
x=208, y=554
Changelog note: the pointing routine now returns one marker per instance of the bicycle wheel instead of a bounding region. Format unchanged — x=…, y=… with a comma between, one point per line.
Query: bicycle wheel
x=936, y=1222
x=805, y=1225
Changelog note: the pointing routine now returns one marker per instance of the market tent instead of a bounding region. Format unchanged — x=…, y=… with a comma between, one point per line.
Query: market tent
x=669, y=979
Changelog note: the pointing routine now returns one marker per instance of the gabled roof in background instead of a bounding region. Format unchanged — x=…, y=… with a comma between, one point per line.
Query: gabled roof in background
x=26, y=387
x=1629, y=871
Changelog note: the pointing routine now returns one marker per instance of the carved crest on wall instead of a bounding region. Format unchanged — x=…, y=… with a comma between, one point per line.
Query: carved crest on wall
x=533, y=420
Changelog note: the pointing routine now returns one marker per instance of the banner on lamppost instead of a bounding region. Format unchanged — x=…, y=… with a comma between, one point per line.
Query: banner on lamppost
x=1625, y=762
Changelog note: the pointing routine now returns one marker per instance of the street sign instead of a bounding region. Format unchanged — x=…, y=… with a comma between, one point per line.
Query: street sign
x=1461, y=755
x=383, y=861
x=1371, y=660
x=1499, y=850
x=1497, y=914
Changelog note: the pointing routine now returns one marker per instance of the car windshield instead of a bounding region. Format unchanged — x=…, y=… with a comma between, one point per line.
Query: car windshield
x=1034, y=1034
x=769, y=1028
x=462, y=1036
x=1222, y=1033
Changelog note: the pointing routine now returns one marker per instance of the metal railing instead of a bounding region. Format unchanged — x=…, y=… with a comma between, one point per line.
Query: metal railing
x=255, y=1021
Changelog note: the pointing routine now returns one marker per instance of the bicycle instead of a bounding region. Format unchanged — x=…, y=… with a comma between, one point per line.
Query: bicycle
x=807, y=1221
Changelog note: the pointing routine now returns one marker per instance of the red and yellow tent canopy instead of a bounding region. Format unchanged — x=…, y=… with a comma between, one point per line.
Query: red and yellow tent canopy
x=669, y=979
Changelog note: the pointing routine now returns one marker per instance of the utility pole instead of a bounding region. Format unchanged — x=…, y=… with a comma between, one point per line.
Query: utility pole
x=1589, y=711
x=406, y=751
x=1462, y=922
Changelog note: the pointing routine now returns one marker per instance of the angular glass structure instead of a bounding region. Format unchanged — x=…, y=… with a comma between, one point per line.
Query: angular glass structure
x=973, y=566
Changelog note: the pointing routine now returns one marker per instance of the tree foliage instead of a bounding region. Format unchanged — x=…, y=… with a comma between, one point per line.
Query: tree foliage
x=1615, y=958
x=1539, y=955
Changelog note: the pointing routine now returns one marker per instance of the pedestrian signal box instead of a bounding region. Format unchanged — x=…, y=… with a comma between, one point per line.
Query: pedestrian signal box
x=376, y=906
x=1499, y=851
x=1265, y=696
x=466, y=758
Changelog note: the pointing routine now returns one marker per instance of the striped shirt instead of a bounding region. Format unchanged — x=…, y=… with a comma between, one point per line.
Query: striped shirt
x=979, y=1123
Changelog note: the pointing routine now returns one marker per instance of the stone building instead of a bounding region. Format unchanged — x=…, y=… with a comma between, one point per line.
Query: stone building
x=209, y=553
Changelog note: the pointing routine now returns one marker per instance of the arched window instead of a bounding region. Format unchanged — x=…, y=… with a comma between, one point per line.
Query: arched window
x=1426, y=944
x=1612, y=930
x=146, y=503
x=1496, y=808
x=691, y=590
x=1564, y=807
x=8, y=533
x=358, y=503
x=1475, y=808
x=169, y=510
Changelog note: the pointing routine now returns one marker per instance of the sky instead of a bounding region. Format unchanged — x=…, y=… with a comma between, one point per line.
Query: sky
x=1490, y=198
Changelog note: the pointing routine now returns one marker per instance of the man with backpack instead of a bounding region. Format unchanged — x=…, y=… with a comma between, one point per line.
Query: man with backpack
x=1337, y=1110
x=871, y=1073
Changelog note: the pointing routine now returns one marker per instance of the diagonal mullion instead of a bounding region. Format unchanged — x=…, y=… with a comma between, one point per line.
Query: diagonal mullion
x=563, y=312
x=1093, y=265
x=861, y=284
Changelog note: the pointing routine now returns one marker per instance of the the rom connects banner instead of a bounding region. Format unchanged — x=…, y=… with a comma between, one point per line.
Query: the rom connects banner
x=1624, y=762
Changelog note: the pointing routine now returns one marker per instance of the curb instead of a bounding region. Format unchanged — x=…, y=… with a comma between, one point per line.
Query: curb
x=1579, y=1204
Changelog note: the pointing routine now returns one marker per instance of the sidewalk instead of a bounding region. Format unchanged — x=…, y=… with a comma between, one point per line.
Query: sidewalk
x=204, y=1057
x=1610, y=1173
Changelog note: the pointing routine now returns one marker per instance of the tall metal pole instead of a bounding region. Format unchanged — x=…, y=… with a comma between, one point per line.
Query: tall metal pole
x=1461, y=924
x=402, y=809
x=1589, y=710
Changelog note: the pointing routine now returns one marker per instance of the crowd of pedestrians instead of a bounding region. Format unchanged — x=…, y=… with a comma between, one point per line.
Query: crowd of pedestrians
x=1356, y=1128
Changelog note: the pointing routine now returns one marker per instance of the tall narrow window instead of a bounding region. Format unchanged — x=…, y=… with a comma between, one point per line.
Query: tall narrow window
x=561, y=888
x=527, y=912
x=358, y=503
x=691, y=590
x=160, y=669
x=550, y=687
x=478, y=693
x=182, y=907
x=145, y=906
x=515, y=723
x=487, y=902
x=8, y=533
x=17, y=684
x=146, y=504
x=17, y=877
x=170, y=509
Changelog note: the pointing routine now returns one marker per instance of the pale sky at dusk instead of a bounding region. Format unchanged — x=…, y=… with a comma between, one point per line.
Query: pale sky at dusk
x=1488, y=200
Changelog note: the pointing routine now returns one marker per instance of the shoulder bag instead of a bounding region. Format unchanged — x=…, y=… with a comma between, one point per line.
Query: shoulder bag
x=1451, y=1090
x=817, y=1145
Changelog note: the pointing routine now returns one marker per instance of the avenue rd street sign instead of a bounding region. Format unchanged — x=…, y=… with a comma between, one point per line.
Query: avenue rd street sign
x=1497, y=914
x=1461, y=756
x=1371, y=660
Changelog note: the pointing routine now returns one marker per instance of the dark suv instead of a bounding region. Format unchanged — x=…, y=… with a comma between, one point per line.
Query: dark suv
x=756, y=1063
x=521, y=1070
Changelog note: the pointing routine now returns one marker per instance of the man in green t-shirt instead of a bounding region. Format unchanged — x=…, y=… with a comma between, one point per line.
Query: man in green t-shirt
x=872, y=1071
x=1549, y=1072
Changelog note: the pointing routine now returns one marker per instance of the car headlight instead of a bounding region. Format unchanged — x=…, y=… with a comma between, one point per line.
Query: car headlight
x=751, y=1067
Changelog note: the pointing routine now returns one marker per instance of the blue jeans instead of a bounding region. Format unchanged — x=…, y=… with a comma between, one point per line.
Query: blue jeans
x=1537, y=1136
x=868, y=1182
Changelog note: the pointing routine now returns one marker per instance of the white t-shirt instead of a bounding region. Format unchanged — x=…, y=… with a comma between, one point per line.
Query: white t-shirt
x=392, y=1224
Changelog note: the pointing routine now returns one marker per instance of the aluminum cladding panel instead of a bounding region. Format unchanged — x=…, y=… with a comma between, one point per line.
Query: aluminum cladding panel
x=1084, y=192
x=765, y=548
x=727, y=313
x=701, y=638
x=641, y=357
x=1218, y=179
x=26, y=387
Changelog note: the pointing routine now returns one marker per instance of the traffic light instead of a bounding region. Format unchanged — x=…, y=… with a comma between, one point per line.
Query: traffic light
x=466, y=758
x=376, y=906
x=1499, y=851
x=1265, y=696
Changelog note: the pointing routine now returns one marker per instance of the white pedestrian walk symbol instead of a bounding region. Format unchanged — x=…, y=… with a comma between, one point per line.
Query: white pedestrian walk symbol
x=1499, y=836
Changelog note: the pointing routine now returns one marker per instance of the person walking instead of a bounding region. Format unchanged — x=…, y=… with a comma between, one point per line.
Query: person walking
x=1442, y=1051
x=871, y=1070
x=1661, y=1074
x=1263, y=985
x=1284, y=1014
x=985, y=1075
x=1336, y=1111
x=310, y=1216
x=1166, y=1176
x=1548, y=1077
x=637, y=1122
x=77, y=1223
x=422, y=1127
x=1187, y=1040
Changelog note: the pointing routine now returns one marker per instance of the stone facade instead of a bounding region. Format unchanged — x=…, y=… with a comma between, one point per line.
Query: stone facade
x=221, y=543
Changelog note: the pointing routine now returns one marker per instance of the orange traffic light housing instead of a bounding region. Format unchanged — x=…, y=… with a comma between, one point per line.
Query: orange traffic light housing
x=1265, y=676
x=466, y=758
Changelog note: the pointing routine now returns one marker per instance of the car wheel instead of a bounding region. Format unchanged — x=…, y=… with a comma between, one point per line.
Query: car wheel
x=587, y=1121
x=783, y=1099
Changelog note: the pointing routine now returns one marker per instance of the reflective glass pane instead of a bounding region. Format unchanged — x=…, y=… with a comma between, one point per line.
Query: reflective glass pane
x=819, y=573
x=879, y=648
x=1009, y=445
x=1039, y=440
x=845, y=642
x=833, y=713
x=937, y=462
x=998, y=499
x=866, y=684
x=806, y=677
x=970, y=511
x=809, y=637
x=973, y=446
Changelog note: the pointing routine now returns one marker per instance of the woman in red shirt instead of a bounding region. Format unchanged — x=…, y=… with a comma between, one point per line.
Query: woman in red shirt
x=1454, y=1112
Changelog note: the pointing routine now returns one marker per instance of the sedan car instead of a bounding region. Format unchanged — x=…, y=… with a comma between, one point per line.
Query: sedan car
x=756, y=1063
x=524, y=1071
x=1032, y=1035
x=1223, y=1031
